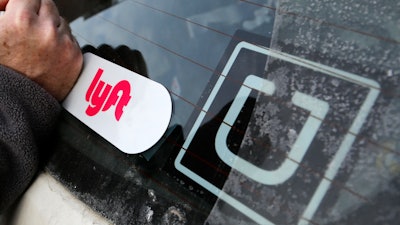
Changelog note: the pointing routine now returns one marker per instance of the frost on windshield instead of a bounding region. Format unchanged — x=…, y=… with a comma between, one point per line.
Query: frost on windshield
x=357, y=37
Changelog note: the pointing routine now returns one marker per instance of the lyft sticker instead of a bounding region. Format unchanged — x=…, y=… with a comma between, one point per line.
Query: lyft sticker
x=97, y=95
x=130, y=111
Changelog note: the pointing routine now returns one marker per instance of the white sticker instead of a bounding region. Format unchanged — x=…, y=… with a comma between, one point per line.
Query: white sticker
x=130, y=111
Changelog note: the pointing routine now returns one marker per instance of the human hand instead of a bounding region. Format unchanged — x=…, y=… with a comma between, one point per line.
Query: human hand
x=37, y=42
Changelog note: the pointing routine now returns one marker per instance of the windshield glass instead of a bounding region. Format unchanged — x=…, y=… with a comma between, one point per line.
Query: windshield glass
x=285, y=112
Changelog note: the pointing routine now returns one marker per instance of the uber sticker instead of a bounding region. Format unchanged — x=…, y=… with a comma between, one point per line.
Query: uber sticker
x=289, y=132
x=128, y=110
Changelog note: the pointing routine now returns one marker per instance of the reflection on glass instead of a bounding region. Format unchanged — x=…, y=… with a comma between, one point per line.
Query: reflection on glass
x=186, y=47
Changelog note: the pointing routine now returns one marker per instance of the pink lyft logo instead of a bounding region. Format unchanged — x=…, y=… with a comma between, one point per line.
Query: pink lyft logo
x=97, y=95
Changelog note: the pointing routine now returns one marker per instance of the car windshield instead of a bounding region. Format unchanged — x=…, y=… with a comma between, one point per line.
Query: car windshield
x=284, y=112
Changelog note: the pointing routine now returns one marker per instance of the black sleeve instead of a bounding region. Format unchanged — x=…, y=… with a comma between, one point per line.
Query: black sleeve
x=27, y=116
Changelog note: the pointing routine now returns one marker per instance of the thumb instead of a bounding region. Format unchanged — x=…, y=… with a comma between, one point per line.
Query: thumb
x=3, y=4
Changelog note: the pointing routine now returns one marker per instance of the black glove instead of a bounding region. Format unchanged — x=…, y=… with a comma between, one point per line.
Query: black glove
x=122, y=55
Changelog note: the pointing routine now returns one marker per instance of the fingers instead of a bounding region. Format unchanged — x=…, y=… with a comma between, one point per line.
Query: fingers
x=32, y=6
x=48, y=11
x=28, y=10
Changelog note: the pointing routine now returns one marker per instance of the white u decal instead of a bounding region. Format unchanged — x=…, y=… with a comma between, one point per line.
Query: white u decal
x=318, y=110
